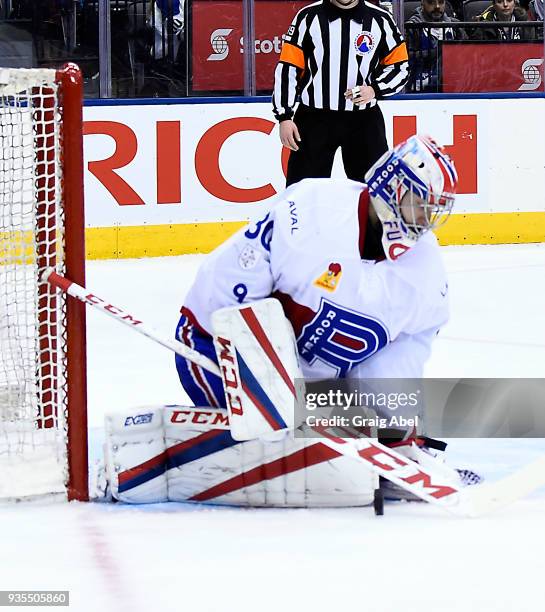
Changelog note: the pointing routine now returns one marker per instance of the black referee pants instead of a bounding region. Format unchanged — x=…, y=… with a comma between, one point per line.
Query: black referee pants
x=360, y=134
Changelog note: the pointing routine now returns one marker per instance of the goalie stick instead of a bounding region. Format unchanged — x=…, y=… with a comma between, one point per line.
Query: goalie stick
x=467, y=501
x=127, y=318
x=426, y=484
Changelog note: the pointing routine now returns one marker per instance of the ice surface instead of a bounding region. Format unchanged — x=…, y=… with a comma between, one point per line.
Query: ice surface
x=182, y=557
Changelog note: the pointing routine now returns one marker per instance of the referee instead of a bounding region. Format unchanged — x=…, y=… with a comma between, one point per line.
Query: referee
x=338, y=58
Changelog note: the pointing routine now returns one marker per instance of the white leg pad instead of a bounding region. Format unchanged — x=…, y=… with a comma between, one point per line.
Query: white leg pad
x=134, y=447
x=201, y=462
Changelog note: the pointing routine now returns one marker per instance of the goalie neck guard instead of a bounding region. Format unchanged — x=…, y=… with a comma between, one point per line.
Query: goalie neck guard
x=422, y=169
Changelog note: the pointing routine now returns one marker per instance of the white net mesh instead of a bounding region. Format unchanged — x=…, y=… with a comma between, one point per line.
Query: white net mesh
x=32, y=335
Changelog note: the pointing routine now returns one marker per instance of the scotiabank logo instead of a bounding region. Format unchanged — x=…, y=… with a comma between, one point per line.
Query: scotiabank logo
x=531, y=73
x=219, y=44
x=264, y=46
x=164, y=162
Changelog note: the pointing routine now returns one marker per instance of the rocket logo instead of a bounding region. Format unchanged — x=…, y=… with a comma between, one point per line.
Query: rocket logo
x=329, y=280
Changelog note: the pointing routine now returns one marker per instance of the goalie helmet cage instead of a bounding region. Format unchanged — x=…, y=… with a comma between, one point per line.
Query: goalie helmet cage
x=43, y=414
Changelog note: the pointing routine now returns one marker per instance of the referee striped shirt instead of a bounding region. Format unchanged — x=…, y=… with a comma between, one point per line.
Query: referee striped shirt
x=328, y=50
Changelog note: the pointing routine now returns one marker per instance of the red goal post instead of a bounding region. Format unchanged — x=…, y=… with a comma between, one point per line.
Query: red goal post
x=43, y=413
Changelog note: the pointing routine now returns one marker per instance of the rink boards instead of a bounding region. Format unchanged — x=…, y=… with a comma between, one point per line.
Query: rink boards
x=176, y=178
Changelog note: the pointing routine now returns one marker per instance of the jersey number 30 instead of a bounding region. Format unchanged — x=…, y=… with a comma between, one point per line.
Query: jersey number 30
x=340, y=337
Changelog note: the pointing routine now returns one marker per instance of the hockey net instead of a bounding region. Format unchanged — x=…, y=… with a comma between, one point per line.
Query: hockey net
x=43, y=433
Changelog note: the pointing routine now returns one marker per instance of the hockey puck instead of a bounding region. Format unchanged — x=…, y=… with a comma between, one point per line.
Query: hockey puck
x=378, y=502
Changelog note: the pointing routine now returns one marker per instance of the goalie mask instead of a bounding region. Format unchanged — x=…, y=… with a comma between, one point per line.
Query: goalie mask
x=412, y=189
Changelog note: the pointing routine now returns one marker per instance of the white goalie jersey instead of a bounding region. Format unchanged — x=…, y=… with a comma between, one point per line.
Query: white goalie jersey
x=352, y=317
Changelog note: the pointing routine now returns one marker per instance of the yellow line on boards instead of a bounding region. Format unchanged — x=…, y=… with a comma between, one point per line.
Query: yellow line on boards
x=122, y=242
x=162, y=240
x=493, y=228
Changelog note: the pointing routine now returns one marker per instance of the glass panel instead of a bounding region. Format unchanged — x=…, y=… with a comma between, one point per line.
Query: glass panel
x=156, y=48
x=153, y=39
x=147, y=42
x=47, y=33
x=215, y=34
x=216, y=59
x=273, y=18
x=475, y=46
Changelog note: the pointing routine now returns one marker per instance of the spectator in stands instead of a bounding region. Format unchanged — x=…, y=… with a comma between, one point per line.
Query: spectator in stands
x=453, y=8
x=166, y=76
x=423, y=43
x=167, y=20
x=535, y=13
x=535, y=10
x=503, y=10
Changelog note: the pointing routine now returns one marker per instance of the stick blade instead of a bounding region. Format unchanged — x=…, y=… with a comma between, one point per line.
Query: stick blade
x=489, y=497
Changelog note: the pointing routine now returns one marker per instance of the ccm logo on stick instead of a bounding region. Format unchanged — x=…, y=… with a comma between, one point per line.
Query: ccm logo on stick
x=96, y=301
x=394, y=464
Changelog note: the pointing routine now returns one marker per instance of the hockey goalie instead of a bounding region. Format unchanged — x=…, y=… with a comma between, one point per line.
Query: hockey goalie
x=338, y=279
